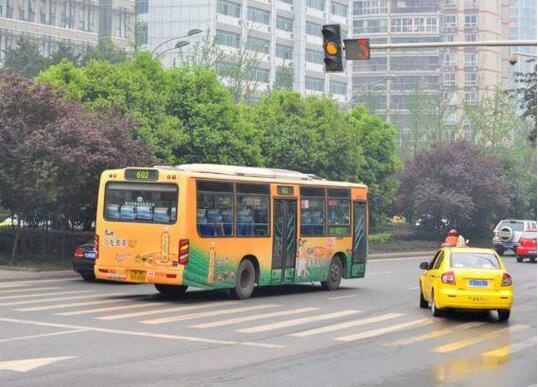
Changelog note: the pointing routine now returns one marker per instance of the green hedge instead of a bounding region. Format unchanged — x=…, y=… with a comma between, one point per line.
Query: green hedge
x=380, y=239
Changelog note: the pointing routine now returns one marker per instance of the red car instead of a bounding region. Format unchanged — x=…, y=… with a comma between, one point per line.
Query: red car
x=526, y=247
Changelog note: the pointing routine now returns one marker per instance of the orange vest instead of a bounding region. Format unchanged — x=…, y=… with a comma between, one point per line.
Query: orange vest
x=451, y=240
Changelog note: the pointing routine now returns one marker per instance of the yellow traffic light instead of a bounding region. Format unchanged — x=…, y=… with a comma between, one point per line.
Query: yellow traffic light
x=331, y=48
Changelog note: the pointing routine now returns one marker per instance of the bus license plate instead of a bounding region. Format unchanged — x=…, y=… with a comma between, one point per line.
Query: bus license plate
x=137, y=275
x=478, y=283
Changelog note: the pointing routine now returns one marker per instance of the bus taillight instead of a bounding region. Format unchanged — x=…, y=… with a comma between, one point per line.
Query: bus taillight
x=184, y=252
x=96, y=246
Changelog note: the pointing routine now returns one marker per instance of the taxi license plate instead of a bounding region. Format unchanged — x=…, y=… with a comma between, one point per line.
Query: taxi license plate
x=478, y=299
x=137, y=275
x=478, y=283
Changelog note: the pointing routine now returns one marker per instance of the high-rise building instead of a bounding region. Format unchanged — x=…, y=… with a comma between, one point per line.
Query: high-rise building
x=282, y=32
x=390, y=81
x=522, y=27
x=78, y=23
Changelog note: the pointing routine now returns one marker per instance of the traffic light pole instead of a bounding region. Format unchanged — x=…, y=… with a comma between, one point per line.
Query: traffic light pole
x=484, y=43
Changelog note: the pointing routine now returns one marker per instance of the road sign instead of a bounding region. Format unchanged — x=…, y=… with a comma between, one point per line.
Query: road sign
x=357, y=49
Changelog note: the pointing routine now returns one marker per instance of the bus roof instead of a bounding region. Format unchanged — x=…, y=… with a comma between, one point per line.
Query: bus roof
x=219, y=171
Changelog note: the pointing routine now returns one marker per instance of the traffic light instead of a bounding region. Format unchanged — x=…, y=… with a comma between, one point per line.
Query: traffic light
x=357, y=49
x=332, y=48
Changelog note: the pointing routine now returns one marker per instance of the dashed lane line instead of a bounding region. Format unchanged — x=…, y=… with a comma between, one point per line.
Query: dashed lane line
x=433, y=335
x=45, y=294
x=299, y=321
x=340, y=297
x=347, y=324
x=39, y=301
x=61, y=333
x=254, y=317
x=2, y=292
x=386, y=330
x=212, y=313
x=68, y=305
x=145, y=334
x=509, y=349
x=110, y=308
x=477, y=339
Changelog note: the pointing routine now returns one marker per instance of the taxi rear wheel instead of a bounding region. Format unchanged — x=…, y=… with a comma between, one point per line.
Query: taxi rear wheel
x=504, y=314
x=435, y=311
x=171, y=290
x=422, y=301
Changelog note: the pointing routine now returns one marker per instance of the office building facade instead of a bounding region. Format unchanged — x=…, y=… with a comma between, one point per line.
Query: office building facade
x=281, y=32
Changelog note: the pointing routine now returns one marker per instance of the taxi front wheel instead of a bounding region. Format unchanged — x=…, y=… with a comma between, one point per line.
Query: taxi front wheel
x=504, y=314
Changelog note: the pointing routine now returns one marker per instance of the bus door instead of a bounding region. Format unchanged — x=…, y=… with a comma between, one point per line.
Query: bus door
x=284, y=240
x=359, y=248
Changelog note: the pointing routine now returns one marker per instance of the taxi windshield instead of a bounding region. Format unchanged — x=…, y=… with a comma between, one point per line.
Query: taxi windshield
x=470, y=260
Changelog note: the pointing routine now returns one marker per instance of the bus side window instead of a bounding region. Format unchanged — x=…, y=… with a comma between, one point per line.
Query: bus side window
x=252, y=201
x=214, y=208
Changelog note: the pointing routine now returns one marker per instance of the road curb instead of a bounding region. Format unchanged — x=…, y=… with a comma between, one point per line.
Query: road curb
x=403, y=254
x=9, y=274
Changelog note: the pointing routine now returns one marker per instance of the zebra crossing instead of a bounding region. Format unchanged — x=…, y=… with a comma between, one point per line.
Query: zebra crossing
x=247, y=320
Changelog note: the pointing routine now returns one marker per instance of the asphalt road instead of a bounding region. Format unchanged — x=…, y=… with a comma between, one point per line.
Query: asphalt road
x=65, y=332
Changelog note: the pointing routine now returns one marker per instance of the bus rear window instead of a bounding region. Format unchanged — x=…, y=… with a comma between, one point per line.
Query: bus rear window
x=141, y=202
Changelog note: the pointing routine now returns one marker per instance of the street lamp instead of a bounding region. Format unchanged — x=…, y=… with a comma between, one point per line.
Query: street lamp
x=178, y=45
x=192, y=32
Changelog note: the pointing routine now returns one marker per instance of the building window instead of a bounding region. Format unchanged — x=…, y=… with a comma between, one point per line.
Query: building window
x=471, y=97
x=68, y=14
x=226, y=7
x=141, y=34
x=338, y=87
x=449, y=79
x=450, y=21
x=228, y=38
x=317, y=4
x=259, y=75
x=312, y=211
x=141, y=6
x=471, y=59
x=369, y=7
x=471, y=3
x=283, y=52
x=470, y=21
x=283, y=23
x=215, y=211
x=450, y=4
x=339, y=9
x=312, y=83
x=258, y=15
x=314, y=56
x=121, y=23
x=470, y=37
x=449, y=59
x=449, y=37
x=258, y=45
x=313, y=29
x=470, y=79
x=252, y=203
x=370, y=26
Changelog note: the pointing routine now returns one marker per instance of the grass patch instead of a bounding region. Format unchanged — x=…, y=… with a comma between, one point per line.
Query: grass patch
x=38, y=262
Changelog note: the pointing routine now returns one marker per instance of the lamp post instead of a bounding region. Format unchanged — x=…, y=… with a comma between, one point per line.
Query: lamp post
x=192, y=32
x=178, y=45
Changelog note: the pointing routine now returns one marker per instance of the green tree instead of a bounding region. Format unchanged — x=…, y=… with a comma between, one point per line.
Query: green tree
x=309, y=134
x=65, y=52
x=527, y=94
x=379, y=162
x=105, y=50
x=284, y=78
x=25, y=58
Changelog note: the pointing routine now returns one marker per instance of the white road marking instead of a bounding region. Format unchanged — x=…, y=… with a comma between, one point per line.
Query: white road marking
x=254, y=317
x=2, y=292
x=63, y=306
x=456, y=345
x=110, y=309
x=45, y=294
x=511, y=348
x=434, y=334
x=340, y=297
x=383, y=331
x=213, y=313
x=9, y=285
x=28, y=302
x=163, y=310
x=43, y=335
x=397, y=259
x=348, y=324
x=141, y=334
x=25, y=365
x=378, y=273
x=299, y=321
x=32, y=282
x=414, y=288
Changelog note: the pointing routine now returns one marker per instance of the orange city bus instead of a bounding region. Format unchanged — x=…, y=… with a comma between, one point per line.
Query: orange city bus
x=217, y=226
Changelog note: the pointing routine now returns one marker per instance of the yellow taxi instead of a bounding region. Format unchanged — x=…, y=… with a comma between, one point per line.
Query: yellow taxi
x=466, y=278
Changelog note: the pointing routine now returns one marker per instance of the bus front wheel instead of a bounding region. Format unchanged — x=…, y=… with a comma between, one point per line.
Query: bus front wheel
x=334, y=276
x=171, y=290
x=244, y=280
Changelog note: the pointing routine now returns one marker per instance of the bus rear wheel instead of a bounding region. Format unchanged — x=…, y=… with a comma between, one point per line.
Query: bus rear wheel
x=334, y=276
x=171, y=290
x=244, y=280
